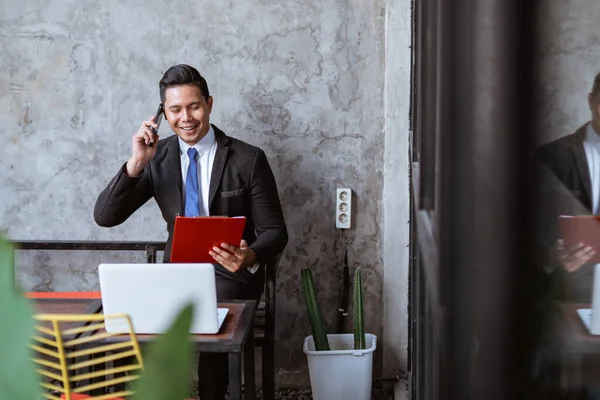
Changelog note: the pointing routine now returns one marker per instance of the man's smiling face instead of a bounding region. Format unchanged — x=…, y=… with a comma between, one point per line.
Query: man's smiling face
x=188, y=112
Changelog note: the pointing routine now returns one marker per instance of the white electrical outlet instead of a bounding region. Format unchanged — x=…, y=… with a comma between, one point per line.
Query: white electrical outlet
x=343, y=208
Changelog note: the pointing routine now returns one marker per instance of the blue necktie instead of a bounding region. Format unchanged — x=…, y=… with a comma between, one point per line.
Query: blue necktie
x=192, y=206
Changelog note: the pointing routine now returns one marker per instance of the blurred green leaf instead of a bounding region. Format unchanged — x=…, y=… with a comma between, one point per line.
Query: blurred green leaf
x=167, y=363
x=18, y=379
x=7, y=269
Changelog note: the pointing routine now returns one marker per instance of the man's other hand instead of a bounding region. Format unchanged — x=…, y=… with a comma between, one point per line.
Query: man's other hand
x=143, y=147
x=573, y=257
x=234, y=258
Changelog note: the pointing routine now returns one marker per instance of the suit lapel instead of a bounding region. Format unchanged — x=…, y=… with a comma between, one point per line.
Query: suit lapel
x=218, y=164
x=581, y=161
x=173, y=164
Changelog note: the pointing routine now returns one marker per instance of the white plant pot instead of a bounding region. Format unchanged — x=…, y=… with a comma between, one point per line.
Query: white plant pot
x=341, y=373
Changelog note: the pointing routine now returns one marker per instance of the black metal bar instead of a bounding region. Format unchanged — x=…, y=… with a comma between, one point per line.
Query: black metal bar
x=427, y=124
x=417, y=108
x=268, y=368
x=268, y=348
x=249, y=374
x=235, y=376
x=457, y=149
x=418, y=310
x=97, y=368
x=344, y=298
x=428, y=304
x=414, y=71
x=430, y=265
x=95, y=307
x=412, y=310
x=429, y=359
x=86, y=245
x=151, y=254
x=483, y=221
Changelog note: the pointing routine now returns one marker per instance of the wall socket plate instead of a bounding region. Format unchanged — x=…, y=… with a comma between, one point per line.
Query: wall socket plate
x=343, y=208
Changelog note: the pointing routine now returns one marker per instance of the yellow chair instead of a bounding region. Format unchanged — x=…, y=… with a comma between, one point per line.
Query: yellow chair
x=64, y=344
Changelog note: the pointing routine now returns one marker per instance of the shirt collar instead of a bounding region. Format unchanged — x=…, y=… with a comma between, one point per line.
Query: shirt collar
x=202, y=146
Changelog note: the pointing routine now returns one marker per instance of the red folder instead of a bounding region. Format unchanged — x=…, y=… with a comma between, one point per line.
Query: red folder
x=581, y=229
x=194, y=237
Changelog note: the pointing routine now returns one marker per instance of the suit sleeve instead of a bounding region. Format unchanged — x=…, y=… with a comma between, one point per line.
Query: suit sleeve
x=552, y=198
x=548, y=156
x=122, y=197
x=266, y=210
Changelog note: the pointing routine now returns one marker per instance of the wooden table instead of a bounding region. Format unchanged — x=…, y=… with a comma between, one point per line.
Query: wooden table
x=65, y=303
x=577, y=349
x=236, y=337
x=576, y=338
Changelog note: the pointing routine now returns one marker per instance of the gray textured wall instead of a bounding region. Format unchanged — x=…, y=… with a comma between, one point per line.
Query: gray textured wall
x=569, y=55
x=567, y=52
x=304, y=80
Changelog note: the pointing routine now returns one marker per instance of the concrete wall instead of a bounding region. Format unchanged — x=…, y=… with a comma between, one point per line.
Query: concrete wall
x=396, y=196
x=304, y=80
x=569, y=55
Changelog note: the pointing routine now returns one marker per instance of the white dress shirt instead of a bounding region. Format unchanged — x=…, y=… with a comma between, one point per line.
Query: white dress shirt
x=206, y=148
x=591, y=145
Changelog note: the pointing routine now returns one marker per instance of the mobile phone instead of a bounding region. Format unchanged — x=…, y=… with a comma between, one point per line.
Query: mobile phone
x=157, y=120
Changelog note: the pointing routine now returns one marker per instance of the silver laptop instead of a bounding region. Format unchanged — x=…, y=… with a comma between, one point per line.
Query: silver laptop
x=591, y=316
x=153, y=295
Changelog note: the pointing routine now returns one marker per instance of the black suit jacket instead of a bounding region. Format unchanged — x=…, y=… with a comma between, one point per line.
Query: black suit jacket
x=566, y=158
x=241, y=184
x=567, y=191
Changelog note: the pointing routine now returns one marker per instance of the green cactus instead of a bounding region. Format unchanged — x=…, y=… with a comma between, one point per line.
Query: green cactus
x=360, y=342
x=314, y=314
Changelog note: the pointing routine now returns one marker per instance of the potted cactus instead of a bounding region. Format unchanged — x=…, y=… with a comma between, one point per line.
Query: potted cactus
x=340, y=365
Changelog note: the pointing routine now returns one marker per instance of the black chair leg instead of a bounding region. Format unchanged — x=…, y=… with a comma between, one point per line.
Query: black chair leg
x=268, y=369
x=119, y=387
x=98, y=367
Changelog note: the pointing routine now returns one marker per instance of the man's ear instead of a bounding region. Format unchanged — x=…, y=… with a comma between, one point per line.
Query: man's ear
x=164, y=113
x=592, y=102
x=209, y=102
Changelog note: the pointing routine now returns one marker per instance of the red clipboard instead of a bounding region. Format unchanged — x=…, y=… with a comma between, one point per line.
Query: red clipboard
x=581, y=229
x=194, y=237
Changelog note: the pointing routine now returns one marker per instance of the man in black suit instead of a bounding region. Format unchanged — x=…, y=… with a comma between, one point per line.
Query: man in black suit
x=575, y=162
x=201, y=171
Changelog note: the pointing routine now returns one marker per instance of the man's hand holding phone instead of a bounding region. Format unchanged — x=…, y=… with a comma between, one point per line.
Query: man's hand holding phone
x=143, y=144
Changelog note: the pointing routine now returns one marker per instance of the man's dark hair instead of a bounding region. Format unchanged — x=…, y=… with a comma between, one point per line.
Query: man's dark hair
x=182, y=74
x=596, y=86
